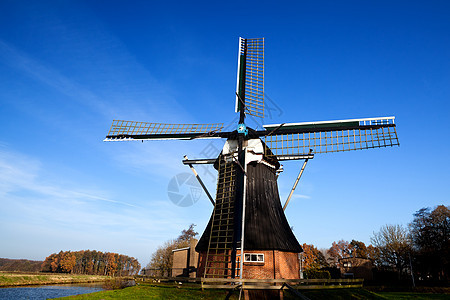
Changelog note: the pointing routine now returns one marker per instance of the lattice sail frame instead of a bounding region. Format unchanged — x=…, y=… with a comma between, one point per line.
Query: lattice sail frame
x=251, y=71
x=331, y=136
x=132, y=130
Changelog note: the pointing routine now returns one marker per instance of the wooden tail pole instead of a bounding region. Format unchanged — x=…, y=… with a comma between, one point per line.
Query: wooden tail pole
x=200, y=181
x=296, y=182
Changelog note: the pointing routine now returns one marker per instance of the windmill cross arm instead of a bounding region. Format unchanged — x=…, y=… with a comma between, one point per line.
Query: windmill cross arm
x=292, y=139
x=312, y=129
x=158, y=137
x=349, y=124
x=295, y=156
x=203, y=161
x=131, y=130
x=189, y=163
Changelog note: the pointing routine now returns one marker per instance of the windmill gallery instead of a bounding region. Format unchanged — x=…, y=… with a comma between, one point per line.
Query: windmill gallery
x=248, y=235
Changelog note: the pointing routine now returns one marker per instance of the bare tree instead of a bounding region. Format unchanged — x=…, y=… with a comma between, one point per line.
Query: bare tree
x=162, y=259
x=326, y=256
x=394, y=247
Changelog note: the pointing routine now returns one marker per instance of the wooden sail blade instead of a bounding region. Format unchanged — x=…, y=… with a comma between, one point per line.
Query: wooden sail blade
x=132, y=130
x=250, y=79
x=330, y=136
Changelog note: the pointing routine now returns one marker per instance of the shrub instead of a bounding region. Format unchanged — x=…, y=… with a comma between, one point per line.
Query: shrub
x=317, y=274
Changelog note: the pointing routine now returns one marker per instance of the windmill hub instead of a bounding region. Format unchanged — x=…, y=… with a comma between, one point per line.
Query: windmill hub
x=242, y=129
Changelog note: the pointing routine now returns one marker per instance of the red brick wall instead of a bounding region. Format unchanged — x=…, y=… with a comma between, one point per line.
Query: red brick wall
x=289, y=265
x=277, y=265
x=202, y=262
x=261, y=270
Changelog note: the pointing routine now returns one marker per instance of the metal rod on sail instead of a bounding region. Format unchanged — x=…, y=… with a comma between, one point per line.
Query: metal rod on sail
x=296, y=182
x=200, y=181
x=241, y=263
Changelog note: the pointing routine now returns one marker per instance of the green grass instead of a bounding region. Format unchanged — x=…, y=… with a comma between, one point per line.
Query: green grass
x=337, y=294
x=9, y=279
x=145, y=291
x=365, y=294
x=186, y=291
x=418, y=296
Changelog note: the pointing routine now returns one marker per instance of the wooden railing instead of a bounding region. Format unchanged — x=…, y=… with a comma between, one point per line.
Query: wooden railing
x=270, y=284
x=262, y=284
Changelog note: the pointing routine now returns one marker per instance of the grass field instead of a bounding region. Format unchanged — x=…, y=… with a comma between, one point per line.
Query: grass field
x=417, y=296
x=338, y=294
x=365, y=294
x=147, y=291
x=189, y=291
x=170, y=291
x=11, y=279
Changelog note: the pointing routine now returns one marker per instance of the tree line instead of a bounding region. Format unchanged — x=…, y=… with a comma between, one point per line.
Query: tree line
x=422, y=249
x=91, y=262
x=23, y=265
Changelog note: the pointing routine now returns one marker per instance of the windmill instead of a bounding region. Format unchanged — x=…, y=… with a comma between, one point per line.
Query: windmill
x=248, y=226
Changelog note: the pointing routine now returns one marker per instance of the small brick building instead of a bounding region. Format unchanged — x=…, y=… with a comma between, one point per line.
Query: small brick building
x=185, y=261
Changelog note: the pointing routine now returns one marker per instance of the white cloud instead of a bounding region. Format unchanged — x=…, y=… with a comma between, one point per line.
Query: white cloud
x=301, y=196
x=19, y=173
x=37, y=207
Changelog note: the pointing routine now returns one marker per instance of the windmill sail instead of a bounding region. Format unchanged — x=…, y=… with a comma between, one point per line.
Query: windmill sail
x=294, y=139
x=250, y=79
x=248, y=220
x=132, y=130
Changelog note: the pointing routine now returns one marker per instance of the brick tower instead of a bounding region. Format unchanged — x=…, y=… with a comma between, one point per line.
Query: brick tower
x=270, y=248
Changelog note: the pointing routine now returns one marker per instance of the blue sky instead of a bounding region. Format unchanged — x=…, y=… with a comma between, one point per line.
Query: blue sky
x=68, y=68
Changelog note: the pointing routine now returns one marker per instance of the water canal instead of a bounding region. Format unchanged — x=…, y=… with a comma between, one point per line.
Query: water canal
x=48, y=291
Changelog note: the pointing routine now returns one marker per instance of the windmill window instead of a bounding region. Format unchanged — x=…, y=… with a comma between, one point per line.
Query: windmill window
x=254, y=257
x=347, y=265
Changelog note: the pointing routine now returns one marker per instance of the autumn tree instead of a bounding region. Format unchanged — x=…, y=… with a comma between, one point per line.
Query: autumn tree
x=312, y=258
x=430, y=234
x=337, y=251
x=63, y=262
x=394, y=247
x=67, y=261
x=357, y=249
x=373, y=253
x=55, y=263
x=47, y=264
x=312, y=261
x=91, y=262
x=111, y=264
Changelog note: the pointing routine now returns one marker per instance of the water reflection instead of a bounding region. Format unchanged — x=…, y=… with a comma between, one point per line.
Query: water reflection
x=48, y=291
